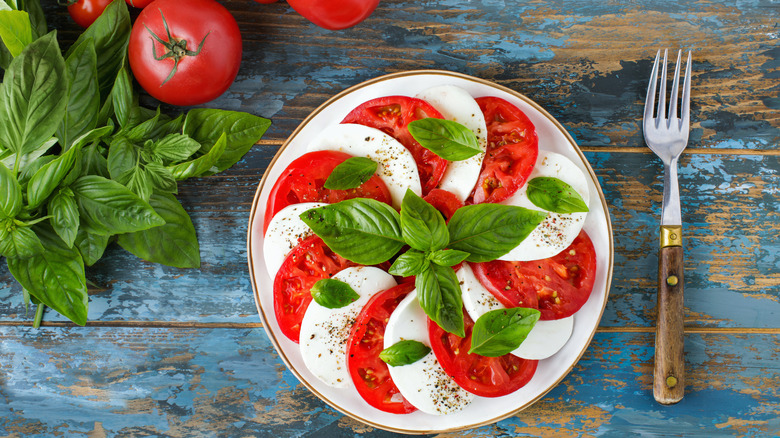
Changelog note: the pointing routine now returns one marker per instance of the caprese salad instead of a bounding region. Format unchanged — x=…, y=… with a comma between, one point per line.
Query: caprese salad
x=426, y=252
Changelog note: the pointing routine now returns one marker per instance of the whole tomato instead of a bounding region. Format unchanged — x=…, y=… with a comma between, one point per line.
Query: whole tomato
x=185, y=52
x=334, y=14
x=140, y=4
x=85, y=12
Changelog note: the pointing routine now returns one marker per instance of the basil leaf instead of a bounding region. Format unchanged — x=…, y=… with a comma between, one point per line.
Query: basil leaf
x=48, y=177
x=362, y=230
x=422, y=226
x=10, y=194
x=107, y=207
x=123, y=158
x=91, y=246
x=37, y=18
x=93, y=162
x=83, y=105
x=15, y=31
x=554, y=195
x=33, y=94
x=18, y=242
x=439, y=295
x=55, y=276
x=175, y=147
x=488, y=231
x=410, y=263
x=351, y=174
x=161, y=178
x=28, y=159
x=404, y=353
x=333, y=294
x=243, y=130
x=122, y=97
x=445, y=138
x=205, y=164
x=448, y=257
x=173, y=244
x=64, y=216
x=501, y=331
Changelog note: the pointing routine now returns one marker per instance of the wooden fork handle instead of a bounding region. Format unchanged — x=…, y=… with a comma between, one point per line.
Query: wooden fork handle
x=669, y=372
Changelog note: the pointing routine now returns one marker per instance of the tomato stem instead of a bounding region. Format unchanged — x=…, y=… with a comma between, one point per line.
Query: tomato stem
x=175, y=48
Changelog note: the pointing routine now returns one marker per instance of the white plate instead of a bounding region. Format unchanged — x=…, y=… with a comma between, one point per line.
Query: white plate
x=552, y=137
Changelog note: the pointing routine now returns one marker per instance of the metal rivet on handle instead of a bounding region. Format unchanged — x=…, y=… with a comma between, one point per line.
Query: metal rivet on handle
x=672, y=280
x=671, y=381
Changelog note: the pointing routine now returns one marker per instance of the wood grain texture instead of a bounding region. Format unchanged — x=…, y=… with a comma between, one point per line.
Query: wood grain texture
x=669, y=363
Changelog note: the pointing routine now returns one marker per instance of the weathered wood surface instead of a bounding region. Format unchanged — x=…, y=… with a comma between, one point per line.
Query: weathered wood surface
x=174, y=352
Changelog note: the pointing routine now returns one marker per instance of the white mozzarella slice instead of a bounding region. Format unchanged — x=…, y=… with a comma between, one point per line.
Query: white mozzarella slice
x=324, y=332
x=558, y=231
x=284, y=232
x=396, y=166
x=544, y=340
x=423, y=383
x=456, y=104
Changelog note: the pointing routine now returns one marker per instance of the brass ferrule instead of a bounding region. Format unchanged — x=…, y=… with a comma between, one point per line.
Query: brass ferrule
x=671, y=235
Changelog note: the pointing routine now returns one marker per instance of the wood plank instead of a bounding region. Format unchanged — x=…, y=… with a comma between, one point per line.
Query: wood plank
x=230, y=382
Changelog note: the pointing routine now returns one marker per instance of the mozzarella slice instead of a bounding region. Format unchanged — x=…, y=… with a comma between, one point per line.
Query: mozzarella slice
x=456, y=104
x=544, y=340
x=423, y=383
x=558, y=231
x=396, y=166
x=324, y=332
x=284, y=232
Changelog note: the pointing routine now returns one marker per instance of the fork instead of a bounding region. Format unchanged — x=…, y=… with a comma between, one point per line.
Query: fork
x=667, y=135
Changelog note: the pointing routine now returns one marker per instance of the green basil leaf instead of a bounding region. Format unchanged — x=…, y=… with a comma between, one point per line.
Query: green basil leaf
x=448, y=257
x=10, y=194
x=37, y=18
x=145, y=129
x=422, y=226
x=351, y=173
x=173, y=244
x=139, y=183
x=404, y=353
x=123, y=159
x=31, y=169
x=445, y=138
x=18, y=242
x=122, y=97
x=439, y=295
x=488, y=231
x=55, y=277
x=93, y=162
x=33, y=95
x=107, y=207
x=161, y=178
x=362, y=230
x=28, y=159
x=64, y=216
x=83, y=105
x=91, y=246
x=410, y=263
x=15, y=31
x=175, y=147
x=48, y=177
x=501, y=331
x=333, y=294
x=203, y=165
x=243, y=131
x=554, y=195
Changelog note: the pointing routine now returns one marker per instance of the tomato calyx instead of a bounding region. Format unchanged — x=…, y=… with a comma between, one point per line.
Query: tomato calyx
x=174, y=48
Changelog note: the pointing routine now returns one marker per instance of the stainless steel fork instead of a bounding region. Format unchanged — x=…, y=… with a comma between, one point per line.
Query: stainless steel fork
x=667, y=135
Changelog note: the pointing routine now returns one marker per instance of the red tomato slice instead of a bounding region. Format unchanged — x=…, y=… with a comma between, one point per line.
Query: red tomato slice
x=369, y=373
x=304, y=180
x=480, y=375
x=511, y=151
x=392, y=114
x=444, y=201
x=310, y=261
x=560, y=284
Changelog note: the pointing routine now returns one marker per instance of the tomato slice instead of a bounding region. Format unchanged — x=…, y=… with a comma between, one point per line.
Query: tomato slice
x=560, y=284
x=310, y=261
x=392, y=114
x=304, y=181
x=480, y=375
x=511, y=151
x=369, y=373
x=444, y=201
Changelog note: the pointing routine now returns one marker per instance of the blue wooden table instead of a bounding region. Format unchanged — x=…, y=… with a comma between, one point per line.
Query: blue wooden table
x=174, y=352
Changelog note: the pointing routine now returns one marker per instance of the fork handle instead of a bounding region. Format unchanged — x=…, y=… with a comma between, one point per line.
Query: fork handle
x=669, y=372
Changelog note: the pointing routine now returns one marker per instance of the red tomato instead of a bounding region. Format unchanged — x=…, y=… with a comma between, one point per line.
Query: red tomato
x=200, y=50
x=479, y=375
x=511, y=151
x=560, y=284
x=310, y=261
x=334, y=14
x=444, y=201
x=140, y=4
x=85, y=12
x=369, y=373
x=304, y=179
x=392, y=114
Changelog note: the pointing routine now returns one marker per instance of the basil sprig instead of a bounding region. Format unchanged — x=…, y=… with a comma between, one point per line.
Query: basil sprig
x=82, y=164
x=404, y=353
x=351, y=173
x=555, y=195
x=333, y=294
x=501, y=331
x=445, y=138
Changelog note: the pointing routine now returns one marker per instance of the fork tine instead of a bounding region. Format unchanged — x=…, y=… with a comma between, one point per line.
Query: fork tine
x=686, y=95
x=650, y=99
x=662, y=94
x=674, y=93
